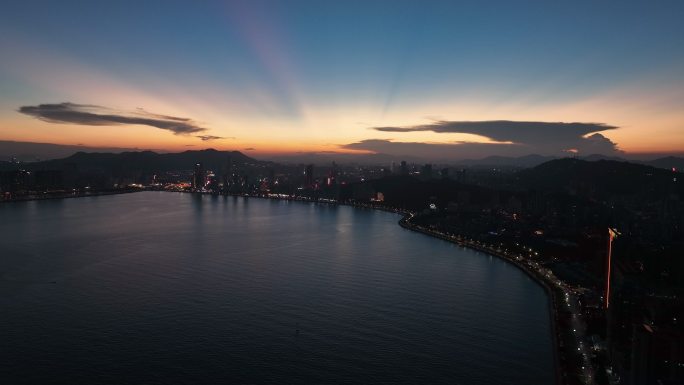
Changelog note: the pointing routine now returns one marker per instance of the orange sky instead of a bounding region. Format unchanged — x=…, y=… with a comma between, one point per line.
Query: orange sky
x=266, y=84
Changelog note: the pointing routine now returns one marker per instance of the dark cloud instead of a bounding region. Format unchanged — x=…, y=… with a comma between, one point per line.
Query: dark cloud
x=206, y=138
x=512, y=139
x=92, y=115
x=432, y=151
x=249, y=149
x=510, y=131
x=593, y=144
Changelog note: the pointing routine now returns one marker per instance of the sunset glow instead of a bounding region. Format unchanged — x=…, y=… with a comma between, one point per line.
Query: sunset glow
x=275, y=78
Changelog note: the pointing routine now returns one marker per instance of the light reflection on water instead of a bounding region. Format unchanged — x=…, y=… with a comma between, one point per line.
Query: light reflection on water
x=161, y=288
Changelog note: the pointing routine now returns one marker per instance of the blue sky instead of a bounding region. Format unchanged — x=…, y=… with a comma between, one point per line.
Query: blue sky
x=323, y=74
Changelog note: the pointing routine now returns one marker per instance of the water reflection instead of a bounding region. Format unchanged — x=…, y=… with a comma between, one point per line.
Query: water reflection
x=179, y=288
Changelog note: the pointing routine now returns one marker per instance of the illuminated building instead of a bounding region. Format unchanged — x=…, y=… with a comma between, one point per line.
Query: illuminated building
x=308, y=175
x=198, y=177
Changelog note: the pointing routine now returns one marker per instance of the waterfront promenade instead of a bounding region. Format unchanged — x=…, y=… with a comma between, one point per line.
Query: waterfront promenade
x=67, y=194
x=571, y=349
x=563, y=305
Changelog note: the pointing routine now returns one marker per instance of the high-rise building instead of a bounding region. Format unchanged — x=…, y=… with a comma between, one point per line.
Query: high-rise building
x=212, y=182
x=308, y=175
x=403, y=170
x=271, y=178
x=426, y=171
x=198, y=177
x=444, y=173
x=332, y=176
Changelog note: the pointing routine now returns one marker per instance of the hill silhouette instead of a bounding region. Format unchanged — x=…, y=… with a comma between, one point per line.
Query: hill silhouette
x=601, y=178
x=145, y=161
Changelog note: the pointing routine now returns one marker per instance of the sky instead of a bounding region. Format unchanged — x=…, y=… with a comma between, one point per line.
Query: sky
x=447, y=79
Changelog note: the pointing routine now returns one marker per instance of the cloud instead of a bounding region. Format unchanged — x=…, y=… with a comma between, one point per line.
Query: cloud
x=510, y=131
x=509, y=138
x=206, y=138
x=249, y=149
x=431, y=151
x=93, y=115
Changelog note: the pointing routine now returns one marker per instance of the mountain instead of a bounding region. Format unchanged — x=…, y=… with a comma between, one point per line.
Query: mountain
x=601, y=178
x=34, y=151
x=528, y=161
x=668, y=162
x=127, y=163
x=508, y=161
x=595, y=157
x=325, y=158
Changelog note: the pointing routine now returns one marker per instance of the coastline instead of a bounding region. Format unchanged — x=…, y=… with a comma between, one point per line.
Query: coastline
x=551, y=295
x=537, y=276
x=553, y=287
x=49, y=196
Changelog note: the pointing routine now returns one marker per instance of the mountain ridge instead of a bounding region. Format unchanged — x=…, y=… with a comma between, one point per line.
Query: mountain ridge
x=145, y=161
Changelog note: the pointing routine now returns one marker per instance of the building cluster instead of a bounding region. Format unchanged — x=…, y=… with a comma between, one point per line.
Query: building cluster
x=629, y=288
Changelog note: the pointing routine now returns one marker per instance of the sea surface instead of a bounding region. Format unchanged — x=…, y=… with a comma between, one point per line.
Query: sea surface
x=172, y=288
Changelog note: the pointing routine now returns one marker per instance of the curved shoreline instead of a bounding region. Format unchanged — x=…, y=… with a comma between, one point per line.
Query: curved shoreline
x=538, y=274
x=532, y=269
x=54, y=196
x=551, y=295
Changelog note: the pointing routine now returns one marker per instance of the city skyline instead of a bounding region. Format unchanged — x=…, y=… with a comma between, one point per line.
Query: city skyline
x=357, y=192
x=400, y=78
